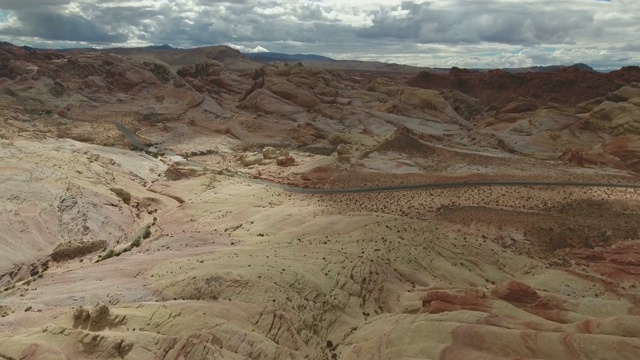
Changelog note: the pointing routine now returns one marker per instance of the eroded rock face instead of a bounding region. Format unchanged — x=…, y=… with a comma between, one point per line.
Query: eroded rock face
x=569, y=86
x=97, y=318
x=65, y=197
x=516, y=292
x=622, y=118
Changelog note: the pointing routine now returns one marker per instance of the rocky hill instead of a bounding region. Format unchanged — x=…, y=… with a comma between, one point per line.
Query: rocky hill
x=161, y=203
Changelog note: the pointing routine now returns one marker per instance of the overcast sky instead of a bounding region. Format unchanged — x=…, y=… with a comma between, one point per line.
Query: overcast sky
x=440, y=33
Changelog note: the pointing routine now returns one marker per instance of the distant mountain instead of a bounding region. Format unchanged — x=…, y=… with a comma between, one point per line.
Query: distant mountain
x=234, y=59
x=266, y=57
x=161, y=47
x=539, y=69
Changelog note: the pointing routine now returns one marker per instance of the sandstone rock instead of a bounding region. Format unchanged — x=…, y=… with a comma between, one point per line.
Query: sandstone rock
x=252, y=159
x=344, y=149
x=264, y=101
x=623, y=118
x=626, y=148
x=404, y=143
x=5, y=281
x=162, y=71
x=270, y=153
x=22, y=274
x=520, y=106
x=290, y=92
x=385, y=86
x=97, y=318
x=515, y=291
x=568, y=86
x=125, y=77
x=626, y=93
x=208, y=68
x=285, y=161
x=462, y=104
x=184, y=170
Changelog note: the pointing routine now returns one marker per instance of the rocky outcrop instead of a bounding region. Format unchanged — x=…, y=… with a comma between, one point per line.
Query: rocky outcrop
x=97, y=318
x=622, y=118
x=266, y=102
x=423, y=104
x=568, y=86
x=269, y=155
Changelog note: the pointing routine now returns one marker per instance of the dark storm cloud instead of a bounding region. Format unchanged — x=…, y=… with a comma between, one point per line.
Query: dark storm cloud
x=306, y=21
x=473, y=22
x=30, y=4
x=449, y=30
x=51, y=25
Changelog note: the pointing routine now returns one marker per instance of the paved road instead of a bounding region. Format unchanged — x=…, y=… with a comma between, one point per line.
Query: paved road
x=130, y=136
x=445, y=185
x=442, y=185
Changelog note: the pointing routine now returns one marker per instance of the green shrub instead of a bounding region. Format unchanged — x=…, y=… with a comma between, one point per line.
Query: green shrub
x=108, y=255
x=124, y=195
x=136, y=242
x=72, y=250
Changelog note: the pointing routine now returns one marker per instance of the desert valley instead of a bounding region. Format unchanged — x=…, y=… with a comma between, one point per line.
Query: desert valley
x=162, y=203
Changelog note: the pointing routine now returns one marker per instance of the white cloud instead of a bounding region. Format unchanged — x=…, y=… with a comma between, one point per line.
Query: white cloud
x=244, y=49
x=465, y=33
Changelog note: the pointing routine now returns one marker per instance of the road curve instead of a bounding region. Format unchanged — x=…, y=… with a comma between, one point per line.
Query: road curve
x=440, y=185
x=443, y=185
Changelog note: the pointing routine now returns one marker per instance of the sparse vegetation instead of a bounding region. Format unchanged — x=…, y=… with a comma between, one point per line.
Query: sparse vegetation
x=146, y=233
x=124, y=195
x=73, y=250
x=134, y=244
x=108, y=255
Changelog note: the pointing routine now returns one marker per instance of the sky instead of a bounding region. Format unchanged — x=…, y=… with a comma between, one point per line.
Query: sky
x=437, y=33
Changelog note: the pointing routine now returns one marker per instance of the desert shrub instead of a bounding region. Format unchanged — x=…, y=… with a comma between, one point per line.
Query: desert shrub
x=108, y=255
x=136, y=242
x=337, y=139
x=147, y=233
x=124, y=195
x=72, y=250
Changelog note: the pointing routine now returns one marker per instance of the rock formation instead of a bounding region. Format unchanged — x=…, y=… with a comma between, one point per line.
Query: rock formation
x=163, y=203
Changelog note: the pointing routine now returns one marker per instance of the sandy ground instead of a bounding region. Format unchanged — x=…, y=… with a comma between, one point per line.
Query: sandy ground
x=343, y=268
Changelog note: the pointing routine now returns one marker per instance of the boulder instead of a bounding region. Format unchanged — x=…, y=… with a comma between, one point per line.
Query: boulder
x=270, y=153
x=5, y=281
x=252, y=159
x=97, y=318
x=292, y=93
x=515, y=291
x=262, y=100
x=285, y=161
x=22, y=274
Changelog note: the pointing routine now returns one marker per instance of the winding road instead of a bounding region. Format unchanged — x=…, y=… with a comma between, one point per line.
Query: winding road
x=444, y=185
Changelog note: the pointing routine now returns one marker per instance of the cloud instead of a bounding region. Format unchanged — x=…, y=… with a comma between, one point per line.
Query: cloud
x=431, y=33
x=50, y=25
x=30, y=4
x=244, y=49
x=480, y=21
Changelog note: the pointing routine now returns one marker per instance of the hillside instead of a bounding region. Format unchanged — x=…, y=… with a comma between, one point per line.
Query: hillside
x=162, y=203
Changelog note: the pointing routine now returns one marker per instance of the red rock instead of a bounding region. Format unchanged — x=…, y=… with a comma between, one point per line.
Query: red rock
x=568, y=86
x=515, y=291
